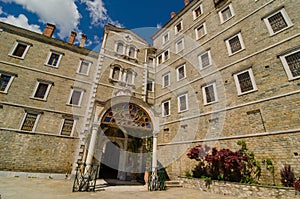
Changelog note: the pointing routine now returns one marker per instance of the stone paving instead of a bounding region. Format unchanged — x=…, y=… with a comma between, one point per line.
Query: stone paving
x=38, y=188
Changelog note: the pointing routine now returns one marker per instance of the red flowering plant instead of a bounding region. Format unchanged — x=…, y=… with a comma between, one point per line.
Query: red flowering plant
x=224, y=164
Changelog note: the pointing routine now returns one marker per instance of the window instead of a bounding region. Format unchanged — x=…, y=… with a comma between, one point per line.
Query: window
x=166, y=108
x=129, y=77
x=181, y=73
x=182, y=103
x=209, y=93
x=166, y=38
x=178, y=27
x=226, y=13
x=120, y=48
x=278, y=21
x=235, y=44
x=115, y=73
x=42, y=89
x=84, y=67
x=245, y=82
x=150, y=85
x=151, y=61
x=20, y=49
x=200, y=31
x=166, y=80
x=76, y=96
x=30, y=121
x=205, y=59
x=163, y=57
x=54, y=59
x=132, y=52
x=5, y=81
x=67, y=128
x=291, y=64
x=179, y=45
x=197, y=12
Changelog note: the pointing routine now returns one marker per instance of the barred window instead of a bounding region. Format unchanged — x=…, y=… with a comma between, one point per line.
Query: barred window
x=278, y=21
x=29, y=122
x=67, y=127
x=245, y=82
x=291, y=63
x=204, y=60
x=235, y=44
x=166, y=80
x=209, y=93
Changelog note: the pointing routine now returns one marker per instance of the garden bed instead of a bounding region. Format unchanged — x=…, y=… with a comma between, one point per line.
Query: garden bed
x=238, y=190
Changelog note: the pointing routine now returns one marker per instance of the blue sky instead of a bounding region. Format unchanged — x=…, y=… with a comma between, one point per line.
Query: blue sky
x=88, y=16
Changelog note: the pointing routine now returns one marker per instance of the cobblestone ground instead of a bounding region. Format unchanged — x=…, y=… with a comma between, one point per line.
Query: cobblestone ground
x=36, y=188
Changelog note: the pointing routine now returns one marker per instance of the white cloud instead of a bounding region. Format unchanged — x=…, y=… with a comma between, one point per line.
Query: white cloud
x=98, y=13
x=21, y=21
x=1, y=11
x=63, y=13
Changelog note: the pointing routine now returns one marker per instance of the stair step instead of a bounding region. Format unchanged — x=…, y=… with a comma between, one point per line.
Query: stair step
x=173, y=184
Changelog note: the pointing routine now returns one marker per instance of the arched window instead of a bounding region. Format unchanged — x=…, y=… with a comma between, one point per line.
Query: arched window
x=120, y=48
x=129, y=77
x=115, y=73
x=131, y=52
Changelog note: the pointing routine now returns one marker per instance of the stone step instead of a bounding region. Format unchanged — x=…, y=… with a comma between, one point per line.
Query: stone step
x=173, y=183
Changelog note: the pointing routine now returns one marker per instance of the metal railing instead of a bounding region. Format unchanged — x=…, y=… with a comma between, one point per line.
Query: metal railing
x=85, y=178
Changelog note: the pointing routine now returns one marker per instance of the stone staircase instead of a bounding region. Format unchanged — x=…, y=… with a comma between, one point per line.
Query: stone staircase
x=173, y=184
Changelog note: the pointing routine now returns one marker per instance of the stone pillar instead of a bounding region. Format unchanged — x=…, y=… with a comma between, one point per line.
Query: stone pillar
x=91, y=150
x=154, y=158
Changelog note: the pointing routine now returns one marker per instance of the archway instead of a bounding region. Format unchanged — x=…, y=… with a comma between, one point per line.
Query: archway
x=128, y=136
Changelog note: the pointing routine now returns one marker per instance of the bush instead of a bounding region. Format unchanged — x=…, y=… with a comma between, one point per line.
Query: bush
x=224, y=164
x=287, y=176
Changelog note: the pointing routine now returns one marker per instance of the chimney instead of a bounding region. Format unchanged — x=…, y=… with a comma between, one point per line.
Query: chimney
x=72, y=37
x=83, y=39
x=49, y=30
x=173, y=14
x=186, y=2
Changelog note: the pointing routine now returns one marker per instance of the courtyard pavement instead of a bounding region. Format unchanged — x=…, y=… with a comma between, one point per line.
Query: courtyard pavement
x=38, y=188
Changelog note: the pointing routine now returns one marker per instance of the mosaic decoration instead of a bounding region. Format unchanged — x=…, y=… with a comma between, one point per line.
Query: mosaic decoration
x=127, y=115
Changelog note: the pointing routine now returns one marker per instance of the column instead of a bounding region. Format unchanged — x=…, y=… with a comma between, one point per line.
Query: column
x=90, y=155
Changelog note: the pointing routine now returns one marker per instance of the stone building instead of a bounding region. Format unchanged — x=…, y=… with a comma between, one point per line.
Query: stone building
x=46, y=86
x=217, y=72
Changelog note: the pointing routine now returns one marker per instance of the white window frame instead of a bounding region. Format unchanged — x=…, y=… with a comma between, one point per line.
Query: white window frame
x=123, y=49
x=150, y=81
x=9, y=82
x=200, y=60
x=73, y=127
x=15, y=47
x=164, y=40
x=204, y=30
x=47, y=91
x=125, y=76
x=185, y=95
x=151, y=64
x=88, y=69
x=205, y=96
x=287, y=67
x=163, y=108
x=163, y=79
x=163, y=56
x=112, y=72
x=177, y=45
x=285, y=17
x=80, y=98
x=49, y=56
x=238, y=86
x=35, y=122
x=175, y=27
x=177, y=72
x=134, y=52
x=240, y=40
x=221, y=13
x=194, y=11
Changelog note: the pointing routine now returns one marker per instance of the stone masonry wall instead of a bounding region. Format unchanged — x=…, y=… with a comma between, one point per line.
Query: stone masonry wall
x=36, y=152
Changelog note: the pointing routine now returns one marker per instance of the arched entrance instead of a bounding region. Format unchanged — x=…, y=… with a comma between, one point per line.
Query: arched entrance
x=128, y=135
